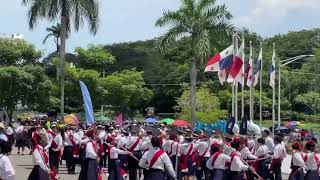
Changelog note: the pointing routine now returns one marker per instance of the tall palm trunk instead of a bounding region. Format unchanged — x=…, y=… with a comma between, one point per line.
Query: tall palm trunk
x=193, y=88
x=63, y=36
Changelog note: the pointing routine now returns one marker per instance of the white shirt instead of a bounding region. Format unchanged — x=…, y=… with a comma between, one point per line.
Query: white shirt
x=122, y=141
x=311, y=161
x=269, y=143
x=246, y=154
x=297, y=159
x=163, y=162
x=237, y=163
x=146, y=145
x=80, y=133
x=131, y=141
x=90, y=151
x=6, y=169
x=219, y=163
x=50, y=138
x=184, y=148
x=38, y=160
x=19, y=129
x=262, y=151
x=114, y=152
x=3, y=137
x=102, y=136
x=252, y=146
x=67, y=136
x=58, y=140
x=279, y=152
x=227, y=149
x=204, y=148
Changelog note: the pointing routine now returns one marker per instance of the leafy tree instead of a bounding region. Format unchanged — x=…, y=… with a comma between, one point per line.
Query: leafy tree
x=95, y=57
x=208, y=106
x=16, y=52
x=14, y=85
x=200, y=22
x=311, y=100
x=76, y=10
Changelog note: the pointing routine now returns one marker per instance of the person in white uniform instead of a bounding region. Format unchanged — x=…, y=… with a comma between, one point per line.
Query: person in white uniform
x=156, y=161
x=312, y=161
x=297, y=163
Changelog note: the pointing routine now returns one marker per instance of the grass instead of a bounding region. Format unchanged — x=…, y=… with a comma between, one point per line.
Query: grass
x=303, y=125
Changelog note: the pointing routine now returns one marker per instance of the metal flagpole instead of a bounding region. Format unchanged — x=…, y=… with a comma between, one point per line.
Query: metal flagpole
x=260, y=96
x=251, y=85
x=236, y=85
x=279, y=96
x=242, y=86
x=273, y=96
x=232, y=110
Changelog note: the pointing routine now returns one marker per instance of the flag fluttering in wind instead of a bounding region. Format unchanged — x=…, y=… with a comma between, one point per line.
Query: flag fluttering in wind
x=237, y=65
x=249, y=69
x=272, y=72
x=119, y=119
x=258, y=69
x=216, y=62
x=87, y=104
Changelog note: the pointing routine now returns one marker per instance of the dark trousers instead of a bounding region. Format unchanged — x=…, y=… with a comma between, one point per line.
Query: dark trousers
x=276, y=172
x=133, y=165
x=70, y=160
x=103, y=160
x=203, y=171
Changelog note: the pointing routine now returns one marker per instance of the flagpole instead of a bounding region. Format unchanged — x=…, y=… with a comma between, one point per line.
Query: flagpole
x=242, y=86
x=273, y=95
x=251, y=85
x=232, y=110
x=279, y=96
x=236, y=84
x=260, y=95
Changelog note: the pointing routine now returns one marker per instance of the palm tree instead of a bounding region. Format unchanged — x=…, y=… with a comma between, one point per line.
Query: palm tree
x=67, y=11
x=201, y=22
x=55, y=32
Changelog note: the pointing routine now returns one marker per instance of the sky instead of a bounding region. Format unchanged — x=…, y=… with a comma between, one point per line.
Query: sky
x=132, y=20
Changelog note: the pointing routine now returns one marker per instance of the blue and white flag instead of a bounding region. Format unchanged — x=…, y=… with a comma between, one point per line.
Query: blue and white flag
x=87, y=104
x=272, y=72
x=258, y=69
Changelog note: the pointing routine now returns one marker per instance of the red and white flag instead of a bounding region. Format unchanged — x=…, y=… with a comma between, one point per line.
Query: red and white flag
x=236, y=72
x=217, y=61
x=249, y=70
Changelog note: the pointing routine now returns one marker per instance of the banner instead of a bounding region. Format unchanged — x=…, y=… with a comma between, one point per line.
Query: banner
x=87, y=104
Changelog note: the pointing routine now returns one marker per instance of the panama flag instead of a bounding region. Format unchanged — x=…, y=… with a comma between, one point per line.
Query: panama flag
x=215, y=63
x=249, y=70
x=258, y=68
x=236, y=68
x=272, y=72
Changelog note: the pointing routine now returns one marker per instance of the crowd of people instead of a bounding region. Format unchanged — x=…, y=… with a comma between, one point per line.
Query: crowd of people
x=140, y=151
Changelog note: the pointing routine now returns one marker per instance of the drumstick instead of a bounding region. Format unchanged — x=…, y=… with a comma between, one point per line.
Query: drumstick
x=258, y=159
x=131, y=154
x=254, y=172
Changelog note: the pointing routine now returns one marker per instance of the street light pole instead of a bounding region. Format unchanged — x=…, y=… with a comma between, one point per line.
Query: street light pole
x=285, y=62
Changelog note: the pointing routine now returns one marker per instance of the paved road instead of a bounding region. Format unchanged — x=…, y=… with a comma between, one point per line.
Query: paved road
x=23, y=166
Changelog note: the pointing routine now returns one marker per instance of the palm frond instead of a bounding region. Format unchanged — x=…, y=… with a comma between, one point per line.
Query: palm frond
x=204, y=4
x=202, y=44
x=169, y=18
x=45, y=39
x=218, y=13
x=172, y=35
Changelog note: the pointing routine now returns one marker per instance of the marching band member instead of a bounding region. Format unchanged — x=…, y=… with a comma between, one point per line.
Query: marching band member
x=268, y=140
x=89, y=167
x=237, y=166
x=217, y=162
x=278, y=156
x=55, y=152
x=114, y=166
x=260, y=164
x=156, y=161
x=40, y=159
x=103, y=147
x=6, y=169
x=133, y=145
x=186, y=166
x=312, y=162
x=203, y=147
x=297, y=163
x=69, y=146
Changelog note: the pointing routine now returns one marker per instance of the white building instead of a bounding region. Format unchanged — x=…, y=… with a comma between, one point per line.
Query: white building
x=11, y=36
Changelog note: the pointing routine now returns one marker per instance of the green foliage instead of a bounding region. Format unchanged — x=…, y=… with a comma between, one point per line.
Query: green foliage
x=311, y=100
x=16, y=52
x=95, y=57
x=208, y=106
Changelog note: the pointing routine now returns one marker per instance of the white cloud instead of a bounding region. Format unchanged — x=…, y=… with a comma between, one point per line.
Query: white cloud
x=272, y=11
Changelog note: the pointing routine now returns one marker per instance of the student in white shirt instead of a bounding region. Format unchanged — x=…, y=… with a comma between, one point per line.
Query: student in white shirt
x=217, y=162
x=278, y=155
x=313, y=162
x=260, y=164
x=40, y=159
x=6, y=169
x=156, y=161
x=297, y=163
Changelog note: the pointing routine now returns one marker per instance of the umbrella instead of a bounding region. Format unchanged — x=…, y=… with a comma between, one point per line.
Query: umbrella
x=180, y=123
x=150, y=120
x=282, y=129
x=292, y=124
x=102, y=118
x=71, y=119
x=167, y=120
